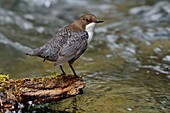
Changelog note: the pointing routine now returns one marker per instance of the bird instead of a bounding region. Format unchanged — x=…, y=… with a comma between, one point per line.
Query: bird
x=69, y=43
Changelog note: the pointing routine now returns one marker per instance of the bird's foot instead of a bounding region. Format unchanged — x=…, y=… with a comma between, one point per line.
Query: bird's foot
x=76, y=76
x=63, y=74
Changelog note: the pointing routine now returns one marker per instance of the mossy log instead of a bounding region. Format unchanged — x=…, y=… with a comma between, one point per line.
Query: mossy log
x=14, y=93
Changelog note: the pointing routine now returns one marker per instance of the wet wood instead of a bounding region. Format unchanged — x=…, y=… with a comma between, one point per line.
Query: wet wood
x=15, y=94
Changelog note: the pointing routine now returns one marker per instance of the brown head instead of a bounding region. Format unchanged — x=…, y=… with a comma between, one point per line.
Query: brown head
x=85, y=20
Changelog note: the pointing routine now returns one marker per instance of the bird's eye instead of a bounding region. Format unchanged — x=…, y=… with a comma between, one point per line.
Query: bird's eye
x=87, y=20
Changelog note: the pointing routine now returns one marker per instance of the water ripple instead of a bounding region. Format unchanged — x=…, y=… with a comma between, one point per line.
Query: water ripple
x=9, y=17
x=160, y=11
x=15, y=45
x=156, y=68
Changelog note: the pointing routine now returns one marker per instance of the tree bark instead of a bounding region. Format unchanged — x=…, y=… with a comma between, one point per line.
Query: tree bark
x=14, y=94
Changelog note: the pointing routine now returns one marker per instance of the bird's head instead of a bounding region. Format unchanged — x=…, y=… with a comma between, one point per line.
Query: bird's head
x=87, y=22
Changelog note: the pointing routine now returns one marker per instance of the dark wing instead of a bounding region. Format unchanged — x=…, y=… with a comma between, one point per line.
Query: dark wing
x=74, y=48
x=50, y=50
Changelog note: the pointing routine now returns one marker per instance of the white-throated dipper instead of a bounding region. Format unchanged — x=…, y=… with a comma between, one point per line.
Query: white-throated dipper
x=69, y=43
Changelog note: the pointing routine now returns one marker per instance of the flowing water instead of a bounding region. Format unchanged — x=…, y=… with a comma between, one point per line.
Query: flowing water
x=126, y=67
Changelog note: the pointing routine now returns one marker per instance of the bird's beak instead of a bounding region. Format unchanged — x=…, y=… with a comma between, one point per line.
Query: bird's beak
x=99, y=21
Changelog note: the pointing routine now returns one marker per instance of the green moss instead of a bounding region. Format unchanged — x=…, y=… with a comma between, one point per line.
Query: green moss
x=4, y=78
x=54, y=76
x=3, y=81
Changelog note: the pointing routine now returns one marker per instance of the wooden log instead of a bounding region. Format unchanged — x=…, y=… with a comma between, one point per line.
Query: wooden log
x=14, y=93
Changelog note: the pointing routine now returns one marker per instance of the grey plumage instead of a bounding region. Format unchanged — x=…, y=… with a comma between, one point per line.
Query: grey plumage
x=66, y=45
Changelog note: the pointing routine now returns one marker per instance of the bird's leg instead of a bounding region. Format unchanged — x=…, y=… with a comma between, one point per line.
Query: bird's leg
x=71, y=66
x=63, y=73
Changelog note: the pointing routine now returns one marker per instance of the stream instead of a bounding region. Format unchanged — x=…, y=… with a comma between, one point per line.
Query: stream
x=126, y=66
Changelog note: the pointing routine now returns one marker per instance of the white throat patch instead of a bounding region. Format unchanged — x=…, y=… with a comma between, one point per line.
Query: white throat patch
x=90, y=30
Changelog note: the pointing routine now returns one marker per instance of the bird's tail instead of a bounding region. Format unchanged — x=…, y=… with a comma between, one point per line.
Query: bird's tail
x=34, y=52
